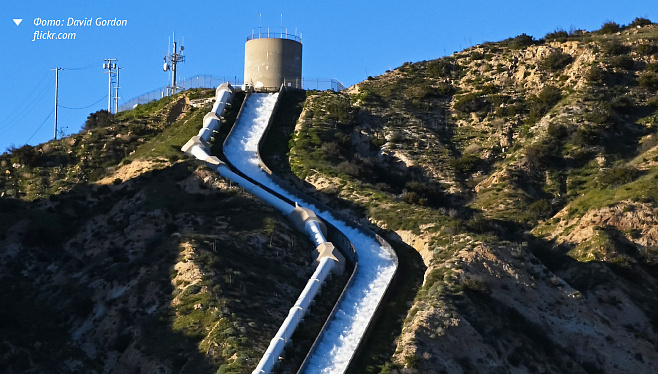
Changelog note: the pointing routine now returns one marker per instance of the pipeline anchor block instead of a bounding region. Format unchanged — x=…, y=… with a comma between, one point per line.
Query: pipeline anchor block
x=328, y=249
x=195, y=140
x=300, y=215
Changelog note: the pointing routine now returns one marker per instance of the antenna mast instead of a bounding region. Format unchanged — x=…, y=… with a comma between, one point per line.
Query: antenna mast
x=116, y=92
x=112, y=70
x=174, y=58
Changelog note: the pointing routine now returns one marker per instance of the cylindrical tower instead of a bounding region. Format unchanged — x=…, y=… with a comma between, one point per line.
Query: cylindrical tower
x=271, y=60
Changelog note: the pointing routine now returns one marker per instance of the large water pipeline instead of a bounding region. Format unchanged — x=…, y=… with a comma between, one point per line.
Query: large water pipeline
x=377, y=262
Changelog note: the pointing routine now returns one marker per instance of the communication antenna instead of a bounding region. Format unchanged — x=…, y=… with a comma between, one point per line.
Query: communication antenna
x=110, y=65
x=170, y=62
x=116, y=92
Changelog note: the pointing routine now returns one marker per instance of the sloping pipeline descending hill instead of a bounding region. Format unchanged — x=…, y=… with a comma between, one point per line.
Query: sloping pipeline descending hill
x=341, y=337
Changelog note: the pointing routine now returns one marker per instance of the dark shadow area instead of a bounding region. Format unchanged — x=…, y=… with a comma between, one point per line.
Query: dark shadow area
x=380, y=344
x=51, y=282
x=626, y=269
x=516, y=340
x=64, y=255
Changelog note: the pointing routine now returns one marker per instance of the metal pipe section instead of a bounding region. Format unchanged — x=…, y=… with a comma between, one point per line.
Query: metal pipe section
x=296, y=315
x=253, y=189
x=314, y=231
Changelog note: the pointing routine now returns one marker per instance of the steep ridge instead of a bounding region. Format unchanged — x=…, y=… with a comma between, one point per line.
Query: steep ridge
x=524, y=173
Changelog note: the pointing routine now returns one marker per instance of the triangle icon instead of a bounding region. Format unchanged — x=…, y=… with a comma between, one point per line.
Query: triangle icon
x=18, y=21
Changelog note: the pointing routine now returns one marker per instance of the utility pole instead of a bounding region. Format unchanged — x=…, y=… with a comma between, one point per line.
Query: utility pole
x=56, y=96
x=174, y=59
x=111, y=67
x=116, y=93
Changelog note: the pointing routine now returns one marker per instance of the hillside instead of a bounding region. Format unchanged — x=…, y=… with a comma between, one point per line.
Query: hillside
x=524, y=173
x=120, y=255
x=516, y=181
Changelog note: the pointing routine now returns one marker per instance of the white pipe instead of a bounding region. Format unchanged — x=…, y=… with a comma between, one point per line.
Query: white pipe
x=277, y=203
x=377, y=261
x=198, y=147
x=295, y=316
x=313, y=229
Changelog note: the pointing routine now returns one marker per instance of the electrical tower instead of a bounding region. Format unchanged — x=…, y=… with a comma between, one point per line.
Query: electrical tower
x=116, y=93
x=173, y=59
x=110, y=65
x=56, y=96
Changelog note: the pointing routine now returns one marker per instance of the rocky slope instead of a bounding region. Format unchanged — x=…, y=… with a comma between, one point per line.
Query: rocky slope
x=524, y=174
x=516, y=180
x=118, y=256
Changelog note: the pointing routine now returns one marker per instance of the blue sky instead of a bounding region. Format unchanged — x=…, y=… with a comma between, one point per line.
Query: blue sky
x=346, y=40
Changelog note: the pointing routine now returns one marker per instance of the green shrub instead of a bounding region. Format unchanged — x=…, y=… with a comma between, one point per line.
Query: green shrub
x=623, y=62
x=543, y=102
x=653, y=102
x=649, y=81
x=438, y=68
x=599, y=116
x=595, y=74
x=467, y=163
x=618, y=175
x=609, y=28
x=471, y=102
x=557, y=130
x=339, y=109
x=645, y=49
x=639, y=21
x=549, y=96
x=614, y=47
x=653, y=66
x=519, y=41
x=557, y=35
x=411, y=361
x=586, y=136
x=556, y=60
x=622, y=104
x=490, y=89
x=102, y=118
x=25, y=155
x=477, y=56
x=540, y=155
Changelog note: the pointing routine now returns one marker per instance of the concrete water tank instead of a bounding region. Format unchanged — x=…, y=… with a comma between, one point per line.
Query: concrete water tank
x=271, y=60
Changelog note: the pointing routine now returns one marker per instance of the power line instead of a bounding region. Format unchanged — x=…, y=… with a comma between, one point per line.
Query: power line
x=82, y=68
x=24, y=105
x=41, y=125
x=84, y=107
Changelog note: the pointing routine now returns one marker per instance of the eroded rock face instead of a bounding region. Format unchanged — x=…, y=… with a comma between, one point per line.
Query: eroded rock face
x=535, y=263
x=512, y=311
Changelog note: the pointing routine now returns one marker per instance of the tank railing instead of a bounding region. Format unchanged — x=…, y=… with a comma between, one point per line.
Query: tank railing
x=197, y=81
x=303, y=84
x=262, y=34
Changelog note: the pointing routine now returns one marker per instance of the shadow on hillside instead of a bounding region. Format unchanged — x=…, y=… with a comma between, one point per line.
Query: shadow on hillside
x=57, y=243
x=626, y=269
x=40, y=307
